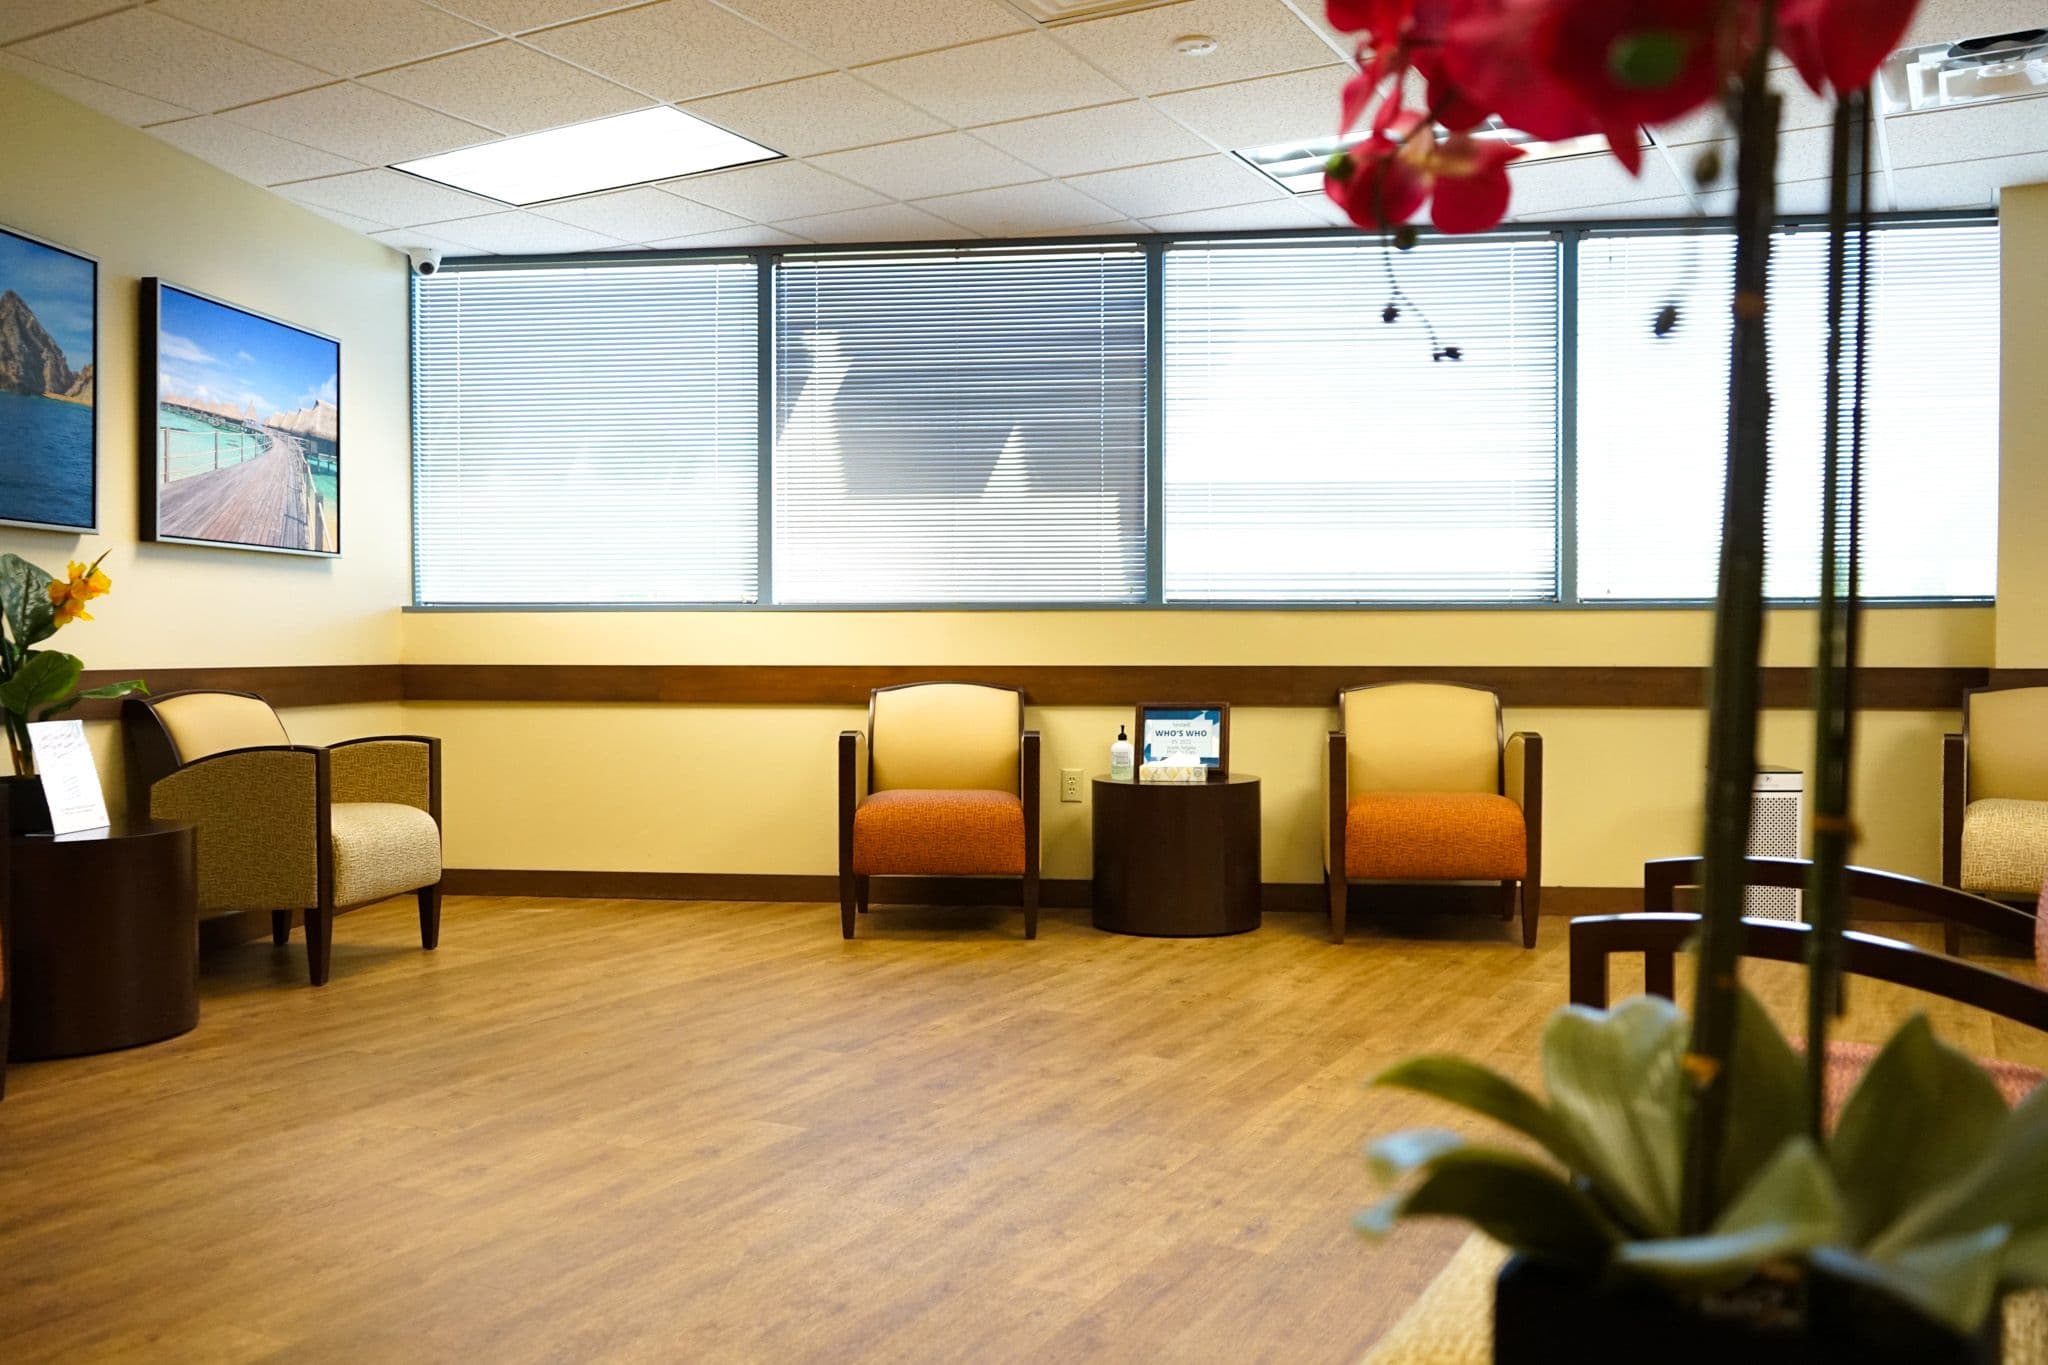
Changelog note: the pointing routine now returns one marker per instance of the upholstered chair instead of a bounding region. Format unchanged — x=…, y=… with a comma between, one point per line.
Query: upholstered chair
x=1422, y=786
x=289, y=827
x=1994, y=798
x=943, y=783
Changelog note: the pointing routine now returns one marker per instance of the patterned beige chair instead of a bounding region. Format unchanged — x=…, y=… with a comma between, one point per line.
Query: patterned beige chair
x=1422, y=786
x=288, y=827
x=944, y=783
x=1994, y=797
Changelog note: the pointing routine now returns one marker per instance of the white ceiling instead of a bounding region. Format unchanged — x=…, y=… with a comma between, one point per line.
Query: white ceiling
x=903, y=119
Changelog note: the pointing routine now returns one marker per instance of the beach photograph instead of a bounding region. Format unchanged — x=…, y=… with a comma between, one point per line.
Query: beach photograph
x=246, y=446
x=47, y=341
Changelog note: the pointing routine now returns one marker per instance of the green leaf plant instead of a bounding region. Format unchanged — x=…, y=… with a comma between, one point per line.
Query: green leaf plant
x=1929, y=1191
x=42, y=684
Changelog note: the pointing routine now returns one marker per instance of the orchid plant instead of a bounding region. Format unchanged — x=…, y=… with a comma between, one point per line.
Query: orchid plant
x=1695, y=1154
x=42, y=684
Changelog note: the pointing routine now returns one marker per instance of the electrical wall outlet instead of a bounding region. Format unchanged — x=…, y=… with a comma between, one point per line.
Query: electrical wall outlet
x=1070, y=784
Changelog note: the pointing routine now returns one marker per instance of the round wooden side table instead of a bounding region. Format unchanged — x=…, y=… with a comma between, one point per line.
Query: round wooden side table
x=104, y=952
x=1177, y=860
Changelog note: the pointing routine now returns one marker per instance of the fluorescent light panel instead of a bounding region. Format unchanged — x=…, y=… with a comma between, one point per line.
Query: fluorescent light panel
x=604, y=154
x=1297, y=167
x=1976, y=71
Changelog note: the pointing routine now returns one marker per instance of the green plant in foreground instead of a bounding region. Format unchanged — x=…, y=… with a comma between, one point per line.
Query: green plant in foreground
x=42, y=684
x=1929, y=1190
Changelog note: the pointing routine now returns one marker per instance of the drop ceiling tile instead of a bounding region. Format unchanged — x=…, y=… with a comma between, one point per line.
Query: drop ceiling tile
x=1967, y=184
x=432, y=239
x=1104, y=138
x=397, y=199
x=1676, y=206
x=850, y=34
x=883, y=223
x=351, y=221
x=1299, y=106
x=781, y=189
x=1802, y=155
x=519, y=16
x=1241, y=218
x=746, y=236
x=677, y=50
x=1802, y=109
x=1969, y=132
x=346, y=39
x=1002, y=78
x=254, y=156
x=1945, y=21
x=29, y=17
x=640, y=215
x=950, y=163
x=508, y=87
x=155, y=55
x=1203, y=182
x=1546, y=188
x=125, y=105
x=520, y=234
x=1022, y=210
x=360, y=123
x=1253, y=38
x=817, y=114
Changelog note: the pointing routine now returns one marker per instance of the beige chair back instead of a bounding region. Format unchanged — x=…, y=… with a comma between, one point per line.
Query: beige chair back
x=1421, y=737
x=203, y=723
x=2008, y=737
x=945, y=736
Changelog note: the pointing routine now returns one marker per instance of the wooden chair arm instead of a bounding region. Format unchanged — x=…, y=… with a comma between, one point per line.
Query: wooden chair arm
x=1663, y=876
x=1028, y=791
x=1336, y=803
x=1955, y=796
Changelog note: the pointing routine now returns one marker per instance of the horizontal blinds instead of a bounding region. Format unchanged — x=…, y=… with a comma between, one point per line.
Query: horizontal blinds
x=1316, y=453
x=1653, y=414
x=586, y=434
x=962, y=427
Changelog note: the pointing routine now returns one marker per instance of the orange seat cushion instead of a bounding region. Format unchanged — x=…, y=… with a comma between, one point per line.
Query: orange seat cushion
x=1434, y=836
x=939, y=833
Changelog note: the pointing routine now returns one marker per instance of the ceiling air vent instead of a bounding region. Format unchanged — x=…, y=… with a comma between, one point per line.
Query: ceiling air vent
x=2002, y=66
x=1074, y=11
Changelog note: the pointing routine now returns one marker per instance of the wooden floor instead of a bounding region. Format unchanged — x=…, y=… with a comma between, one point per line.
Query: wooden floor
x=630, y=1131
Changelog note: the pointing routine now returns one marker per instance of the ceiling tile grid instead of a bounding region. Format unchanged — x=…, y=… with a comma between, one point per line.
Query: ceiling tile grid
x=508, y=87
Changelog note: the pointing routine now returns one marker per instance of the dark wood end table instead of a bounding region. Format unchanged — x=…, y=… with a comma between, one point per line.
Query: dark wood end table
x=1177, y=860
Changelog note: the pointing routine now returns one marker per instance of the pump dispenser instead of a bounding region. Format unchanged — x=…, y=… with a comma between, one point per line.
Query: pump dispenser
x=1122, y=760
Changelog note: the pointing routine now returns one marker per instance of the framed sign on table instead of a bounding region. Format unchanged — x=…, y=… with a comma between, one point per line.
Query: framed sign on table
x=1173, y=735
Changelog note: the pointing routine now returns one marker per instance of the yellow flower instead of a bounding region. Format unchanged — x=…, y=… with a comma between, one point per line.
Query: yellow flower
x=81, y=584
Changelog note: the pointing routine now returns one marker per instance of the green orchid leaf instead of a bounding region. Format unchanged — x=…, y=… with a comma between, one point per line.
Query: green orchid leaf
x=1617, y=1090
x=47, y=676
x=1397, y=1155
x=1510, y=1198
x=1922, y=1114
x=25, y=602
x=2026, y=1259
x=1790, y=1206
x=104, y=692
x=1484, y=1091
x=2008, y=1186
x=1952, y=1281
x=1766, y=1095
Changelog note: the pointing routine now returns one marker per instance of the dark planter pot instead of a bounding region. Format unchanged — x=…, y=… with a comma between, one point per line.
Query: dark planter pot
x=1545, y=1312
x=27, y=811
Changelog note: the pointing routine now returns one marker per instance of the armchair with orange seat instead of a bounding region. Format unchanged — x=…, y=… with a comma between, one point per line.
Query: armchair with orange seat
x=942, y=783
x=1423, y=785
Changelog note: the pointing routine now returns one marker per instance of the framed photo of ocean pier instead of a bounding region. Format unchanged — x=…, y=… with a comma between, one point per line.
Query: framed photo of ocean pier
x=241, y=427
x=49, y=354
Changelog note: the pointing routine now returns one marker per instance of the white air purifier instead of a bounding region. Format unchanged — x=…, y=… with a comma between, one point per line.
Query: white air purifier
x=1777, y=812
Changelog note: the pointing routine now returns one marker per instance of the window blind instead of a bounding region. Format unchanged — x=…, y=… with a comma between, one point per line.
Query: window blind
x=960, y=427
x=1315, y=453
x=586, y=434
x=1653, y=414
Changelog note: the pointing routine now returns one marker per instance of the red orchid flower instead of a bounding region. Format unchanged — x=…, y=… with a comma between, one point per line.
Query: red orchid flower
x=1841, y=43
x=1640, y=61
x=1385, y=180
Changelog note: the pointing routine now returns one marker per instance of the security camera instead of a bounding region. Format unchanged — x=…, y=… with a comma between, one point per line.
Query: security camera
x=425, y=260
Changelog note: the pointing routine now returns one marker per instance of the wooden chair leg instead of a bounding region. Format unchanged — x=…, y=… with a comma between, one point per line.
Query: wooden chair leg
x=1532, y=904
x=1339, y=905
x=860, y=893
x=430, y=917
x=319, y=943
x=847, y=898
x=280, y=926
x=1031, y=905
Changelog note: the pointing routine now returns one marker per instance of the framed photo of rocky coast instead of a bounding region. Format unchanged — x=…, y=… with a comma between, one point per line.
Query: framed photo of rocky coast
x=49, y=354
x=241, y=429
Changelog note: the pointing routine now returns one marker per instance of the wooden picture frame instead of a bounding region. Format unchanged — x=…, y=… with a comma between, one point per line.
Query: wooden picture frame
x=1219, y=709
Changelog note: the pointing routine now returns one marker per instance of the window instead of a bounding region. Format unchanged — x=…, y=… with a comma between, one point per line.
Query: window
x=1315, y=453
x=586, y=434
x=965, y=427
x=1652, y=414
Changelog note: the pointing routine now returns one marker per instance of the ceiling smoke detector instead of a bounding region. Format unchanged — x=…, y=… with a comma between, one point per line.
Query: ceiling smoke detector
x=2001, y=66
x=1194, y=45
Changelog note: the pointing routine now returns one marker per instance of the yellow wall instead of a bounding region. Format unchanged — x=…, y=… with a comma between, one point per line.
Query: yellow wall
x=79, y=179
x=2023, y=432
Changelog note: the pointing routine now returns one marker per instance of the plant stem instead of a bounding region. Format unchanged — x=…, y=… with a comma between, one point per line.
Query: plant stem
x=1738, y=634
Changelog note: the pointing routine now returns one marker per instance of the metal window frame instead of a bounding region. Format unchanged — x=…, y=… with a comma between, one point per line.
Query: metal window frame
x=1155, y=248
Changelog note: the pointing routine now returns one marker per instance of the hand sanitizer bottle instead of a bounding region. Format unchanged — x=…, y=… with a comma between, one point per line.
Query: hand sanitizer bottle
x=1121, y=762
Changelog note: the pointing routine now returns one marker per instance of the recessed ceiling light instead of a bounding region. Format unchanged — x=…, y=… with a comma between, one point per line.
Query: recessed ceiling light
x=604, y=154
x=1297, y=167
x=1975, y=71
